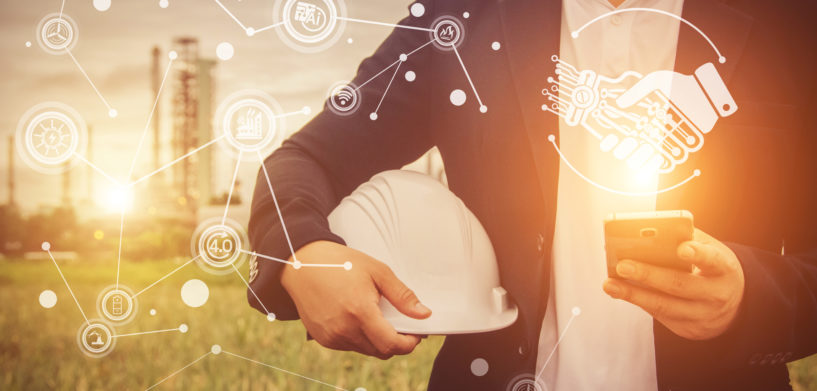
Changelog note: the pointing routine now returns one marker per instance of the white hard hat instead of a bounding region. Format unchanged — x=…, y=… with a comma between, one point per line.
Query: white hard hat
x=434, y=244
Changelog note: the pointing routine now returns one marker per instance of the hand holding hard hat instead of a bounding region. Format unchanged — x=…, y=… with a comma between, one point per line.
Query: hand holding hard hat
x=434, y=245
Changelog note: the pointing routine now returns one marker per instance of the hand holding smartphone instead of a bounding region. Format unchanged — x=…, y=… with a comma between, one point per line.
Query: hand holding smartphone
x=650, y=237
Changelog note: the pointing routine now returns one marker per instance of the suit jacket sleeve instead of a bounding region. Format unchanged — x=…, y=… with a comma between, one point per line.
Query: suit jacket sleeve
x=333, y=154
x=777, y=320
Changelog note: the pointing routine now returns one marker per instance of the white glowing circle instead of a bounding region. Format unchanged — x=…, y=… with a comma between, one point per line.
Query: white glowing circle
x=46, y=246
x=479, y=367
x=403, y=57
x=457, y=97
x=102, y=5
x=28, y=44
x=496, y=45
x=152, y=312
x=576, y=311
x=164, y=3
x=183, y=328
x=483, y=109
x=350, y=40
x=48, y=299
x=411, y=76
x=373, y=116
x=195, y=293
x=271, y=317
x=417, y=10
x=347, y=265
x=215, y=349
x=225, y=51
x=112, y=113
x=466, y=14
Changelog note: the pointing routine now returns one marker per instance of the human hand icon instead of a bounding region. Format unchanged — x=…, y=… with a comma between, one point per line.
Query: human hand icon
x=655, y=124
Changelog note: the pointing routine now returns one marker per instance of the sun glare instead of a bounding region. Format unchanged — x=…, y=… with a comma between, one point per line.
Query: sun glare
x=119, y=199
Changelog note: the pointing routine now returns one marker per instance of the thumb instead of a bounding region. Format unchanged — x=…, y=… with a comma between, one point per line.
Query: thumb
x=399, y=295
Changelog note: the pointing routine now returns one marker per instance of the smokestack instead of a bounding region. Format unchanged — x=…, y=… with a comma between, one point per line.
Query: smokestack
x=11, y=200
x=157, y=82
x=90, y=172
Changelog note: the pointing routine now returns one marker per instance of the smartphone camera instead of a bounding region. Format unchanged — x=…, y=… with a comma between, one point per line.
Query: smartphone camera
x=649, y=232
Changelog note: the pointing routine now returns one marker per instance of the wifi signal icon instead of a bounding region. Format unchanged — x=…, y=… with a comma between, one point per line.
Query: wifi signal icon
x=344, y=97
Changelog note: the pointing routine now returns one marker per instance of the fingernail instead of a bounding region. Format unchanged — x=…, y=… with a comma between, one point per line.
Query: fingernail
x=686, y=251
x=612, y=289
x=625, y=269
x=421, y=308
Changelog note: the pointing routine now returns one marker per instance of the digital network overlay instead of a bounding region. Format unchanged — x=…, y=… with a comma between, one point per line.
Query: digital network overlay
x=249, y=124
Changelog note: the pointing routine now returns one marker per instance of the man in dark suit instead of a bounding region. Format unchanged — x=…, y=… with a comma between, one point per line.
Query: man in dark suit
x=756, y=200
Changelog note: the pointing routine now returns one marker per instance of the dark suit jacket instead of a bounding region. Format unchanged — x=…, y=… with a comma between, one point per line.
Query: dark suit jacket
x=757, y=191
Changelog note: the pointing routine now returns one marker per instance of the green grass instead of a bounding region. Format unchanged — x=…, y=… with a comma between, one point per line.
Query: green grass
x=38, y=348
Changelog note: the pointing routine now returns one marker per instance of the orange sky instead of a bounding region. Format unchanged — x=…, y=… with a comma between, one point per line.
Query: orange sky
x=114, y=48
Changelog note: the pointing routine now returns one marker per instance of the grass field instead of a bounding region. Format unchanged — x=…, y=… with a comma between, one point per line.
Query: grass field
x=38, y=349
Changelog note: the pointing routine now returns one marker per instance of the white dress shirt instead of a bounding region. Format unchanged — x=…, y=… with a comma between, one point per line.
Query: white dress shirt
x=609, y=346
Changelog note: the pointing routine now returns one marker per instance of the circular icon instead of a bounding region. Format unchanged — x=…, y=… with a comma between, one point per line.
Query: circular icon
x=219, y=246
x=57, y=33
x=95, y=338
x=249, y=121
x=583, y=97
x=525, y=382
x=116, y=304
x=344, y=98
x=48, y=136
x=310, y=25
x=447, y=32
x=51, y=137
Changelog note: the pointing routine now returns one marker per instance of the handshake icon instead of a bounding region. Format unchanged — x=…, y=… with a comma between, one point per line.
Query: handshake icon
x=654, y=125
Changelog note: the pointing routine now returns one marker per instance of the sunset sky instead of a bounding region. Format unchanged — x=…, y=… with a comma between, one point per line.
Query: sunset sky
x=114, y=48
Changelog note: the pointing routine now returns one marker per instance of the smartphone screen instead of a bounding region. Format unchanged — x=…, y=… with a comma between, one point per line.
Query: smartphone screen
x=649, y=237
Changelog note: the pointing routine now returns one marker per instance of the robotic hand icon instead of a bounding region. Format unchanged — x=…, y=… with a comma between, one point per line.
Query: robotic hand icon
x=654, y=125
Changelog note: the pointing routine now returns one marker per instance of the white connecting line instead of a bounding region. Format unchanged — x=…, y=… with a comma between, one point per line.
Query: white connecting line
x=573, y=316
x=146, y=332
x=248, y=30
x=68, y=286
x=232, y=186
x=111, y=111
x=298, y=264
x=217, y=350
x=165, y=276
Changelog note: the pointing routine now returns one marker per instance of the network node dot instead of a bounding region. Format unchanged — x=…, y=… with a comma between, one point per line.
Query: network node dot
x=271, y=317
x=496, y=45
x=306, y=110
x=183, y=328
x=417, y=10
x=225, y=51
x=172, y=55
x=102, y=5
x=373, y=116
x=48, y=299
x=411, y=76
x=152, y=312
x=544, y=107
x=297, y=265
x=721, y=59
x=403, y=57
x=46, y=246
x=479, y=367
x=457, y=97
x=250, y=31
x=164, y=3
x=466, y=14
x=483, y=109
x=215, y=349
x=347, y=265
x=574, y=34
x=195, y=293
x=697, y=172
x=576, y=311
x=28, y=44
x=112, y=113
x=551, y=138
x=350, y=41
